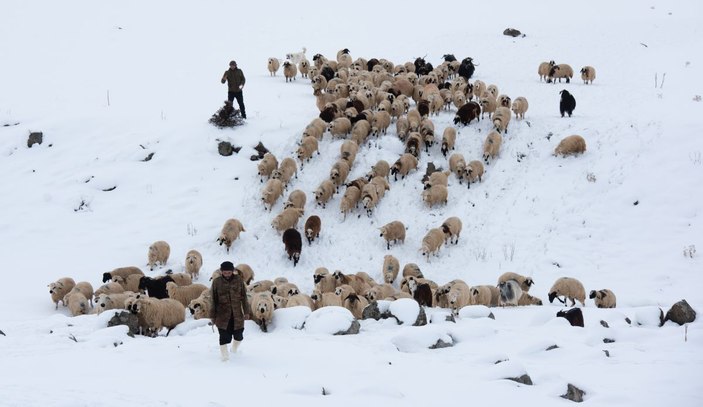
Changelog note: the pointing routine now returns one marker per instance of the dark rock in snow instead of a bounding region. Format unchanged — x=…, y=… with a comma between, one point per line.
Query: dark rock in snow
x=608, y=340
x=225, y=148
x=2, y=333
x=373, y=312
x=36, y=137
x=607, y=354
x=421, y=318
x=552, y=347
x=149, y=157
x=512, y=32
x=681, y=313
x=573, y=393
x=125, y=318
x=524, y=379
x=441, y=344
x=605, y=324
x=353, y=329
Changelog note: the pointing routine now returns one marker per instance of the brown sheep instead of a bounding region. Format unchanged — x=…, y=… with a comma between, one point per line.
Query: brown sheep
x=312, y=228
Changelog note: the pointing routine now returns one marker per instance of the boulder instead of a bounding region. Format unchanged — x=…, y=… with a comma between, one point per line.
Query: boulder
x=35, y=137
x=524, y=379
x=512, y=32
x=441, y=344
x=225, y=148
x=681, y=313
x=125, y=318
x=353, y=329
x=573, y=393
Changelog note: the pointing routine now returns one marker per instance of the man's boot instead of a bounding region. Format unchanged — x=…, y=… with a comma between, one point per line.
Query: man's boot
x=224, y=353
x=235, y=345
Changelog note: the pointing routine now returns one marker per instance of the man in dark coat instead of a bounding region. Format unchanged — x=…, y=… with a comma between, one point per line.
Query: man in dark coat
x=235, y=83
x=229, y=308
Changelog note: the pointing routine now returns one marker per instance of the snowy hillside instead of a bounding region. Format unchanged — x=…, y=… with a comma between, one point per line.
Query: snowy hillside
x=110, y=84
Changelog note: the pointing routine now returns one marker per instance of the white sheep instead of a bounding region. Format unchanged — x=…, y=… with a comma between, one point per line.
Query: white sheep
x=380, y=122
x=59, y=288
x=452, y=229
x=391, y=268
x=359, y=283
x=325, y=299
x=560, y=71
x=287, y=219
x=437, y=178
x=501, y=119
x=348, y=151
x=131, y=283
x=413, y=143
x=84, y=288
x=159, y=313
x=524, y=282
x=380, y=169
x=543, y=70
x=404, y=165
x=194, y=261
x=184, y=294
x=340, y=127
x=473, y=171
x=393, y=232
x=299, y=300
x=113, y=301
x=504, y=101
x=77, y=303
x=435, y=195
x=458, y=297
x=230, y=232
x=402, y=127
x=487, y=295
x=491, y=146
x=360, y=132
x=262, y=309
x=339, y=173
x=271, y=192
x=108, y=288
x=571, y=145
x=286, y=170
x=380, y=292
x=272, y=64
x=324, y=280
x=245, y=271
x=588, y=73
x=603, y=298
x=121, y=272
x=201, y=307
x=158, y=254
x=181, y=279
x=432, y=242
x=457, y=165
x=304, y=68
x=412, y=270
x=510, y=293
x=355, y=304
x=570, y=289
x=296, y=199
x=448, y=140
x=324, y=192
x=308, y=146
x=350, y=200
x=267, y=166
x=520, y=106
x=290, y=71
x=488, y=104
x=527, y=299
x=369, y=197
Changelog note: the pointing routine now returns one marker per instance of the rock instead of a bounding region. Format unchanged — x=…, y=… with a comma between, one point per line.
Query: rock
x=573, y=393
x=607, y=354
x=681, y=313
x=353, y=329
x=608, y=340
x=524, y=379
x=2, y=333
x=421, y=318
x=125, y=318
x=149, y=157
x=371, y=311
x=491, y=316
x=500, y=361
x=261, y=150
x=441, y=344
x=605, y=324
x=225, y=148
x=552, y=347
x=36, y=137
x=450, y=318
x=512, y=32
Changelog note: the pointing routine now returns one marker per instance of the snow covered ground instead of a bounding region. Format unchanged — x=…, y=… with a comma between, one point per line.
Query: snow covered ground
x=110, y=83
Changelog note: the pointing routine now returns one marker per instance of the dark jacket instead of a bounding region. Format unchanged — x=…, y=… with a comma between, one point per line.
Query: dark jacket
x=229, y=299
x=234, y=78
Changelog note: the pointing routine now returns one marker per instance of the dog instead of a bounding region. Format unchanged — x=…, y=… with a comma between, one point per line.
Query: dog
x=296, y=57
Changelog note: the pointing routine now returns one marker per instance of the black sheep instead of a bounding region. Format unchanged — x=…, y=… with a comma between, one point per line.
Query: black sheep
x=567, y=104
x=328, y=114
x=574, y=316
x=371, y=63
x=467, y=112
x=327, y=72
x=449, y=57
x=155, y=287
x=294, y=244
x=423, y=294
x=466, y=69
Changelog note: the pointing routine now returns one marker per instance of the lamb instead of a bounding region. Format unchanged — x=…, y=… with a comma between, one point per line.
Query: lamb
x=155, y=287
x=121, y=272
x=421, y=292
x=59, y=288
x=184, y=294
x=245, y=271
x=308, y=145
x=473, y=171
x=457, y=165
x=520, y=106
x=109, y=288
x=570, y=288
x=380, y=169
x=324, y=192
x=340, y=126
x=501, y=119
x=287, y=219
x=436, y=178
x=348, y=151
x=159, y=313
x=201, y=307
x=84, y=288
x=304, y=68
x=524, y=282
x=358, y=283
x=194, y=261
x=112, y=301
x=158, y=253
x=273, y=64
x=466, y=113
x=448, y=140
x=290, y=71
x=355, y=304
x=350, y=200
x=603, y=298
x=286, y=170
x=567, y=103
x=574, y=316
x=262, y=310
x=312, y=228
x=391, y=267
x=571, y=145
x=510, y=293
x=230, y=232
x=381, y=121
x=432, y=242
x=267, y=165
x=491, y=147
x=488, y=105
x=131, y=283
x=459, y=296
x=487, y=295
x=452, y=229
x=560, y=71
x=77, y=303
x=543, y=70
x=435, y=195
x=393, y=231
x=380, y=292
x=326, y=299
x=527, y=299
x=404, y=165
x=324, y=281
x=296, y=199
x=339, y=173
x=412, y=270
x=588, y=73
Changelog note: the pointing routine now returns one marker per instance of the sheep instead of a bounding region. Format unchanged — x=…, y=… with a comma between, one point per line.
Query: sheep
x=267, y=165
x=459, y=296
x=380, y=122
x=59, y=288
x=279, y=302
x=570, y=288
x=184, y=294
x=261, y=286
x=286, y=170
x=413, y=144
x=432, y=242
x=324, y=281
x=318, y=83
x=493, y=90
x=414, y=118
x=348, y=151
x=468, y=112
x=290, y=71
x=200, y=308
x=273, y=64
x=158, y=253
x=308, y=145
x=181, y=279
x=110, y=288
x=379, y=292
x=491, y=146
x=324, y=192
x=603, y=298
x=380, y=169
x=448, y=140
x=230, y=232
x=452, y=229
x=427, y=132
x=339, y=172
x=520, y=106
x=304, y=68
x=567, y=103
x=369, y=197
x=473, y=171
x=412, y=270
x=459, y=99
x=421, y=292
x=504, y=101
x=402, y=126
x=350, y=200
x=588, y=73
x=77, y=303
x=488, y=105
x=524, y=282
x=131, y=283
x=479, y=87
x=487, y=295
x=571, y=145
x=287, y=219
x=155, y=287
x=510, y=293
x=194, y=261
x=527, y=299
x=435, y=195
x=315, y=128
x=121, y=272
x=501, y=119
x=245, y=271
x=262, y=310
x=296, y=199
x=404, y=165
x=84, y=288
x=560, y=71
x=340, y=126
x=355, y=304
x=159, y=313
x=326, y=299
x=312, y=228
x=574, y=316
x=543, y=70
x=360, y=131
x=271, y=192
x=436, y=178
x=359, y=284
x=299, y=300
x=381, y=184
x=393, y=231
x=391, y=268
x=457, y=165
x=113, y=301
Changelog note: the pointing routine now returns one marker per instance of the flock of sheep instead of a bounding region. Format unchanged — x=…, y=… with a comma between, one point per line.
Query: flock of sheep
x=358, y=101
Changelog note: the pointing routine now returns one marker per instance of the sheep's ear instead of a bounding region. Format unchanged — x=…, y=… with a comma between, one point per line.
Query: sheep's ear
x=603, y=293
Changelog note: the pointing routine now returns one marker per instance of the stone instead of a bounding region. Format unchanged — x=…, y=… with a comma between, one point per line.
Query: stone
x=421, y=318
x=607, y=354
x=512, y=32
x=36, y=137
x=371, y=311
x=608, y=340
x=524, y=379
x=681, y=313
x=573, y=393
x=552, y=347
x=353, y=329
x=605, y=324
x=441, y=344
x=450, y=318
x=225, y=148
x=261, y=150
x=125, y=318
x=149, y=157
